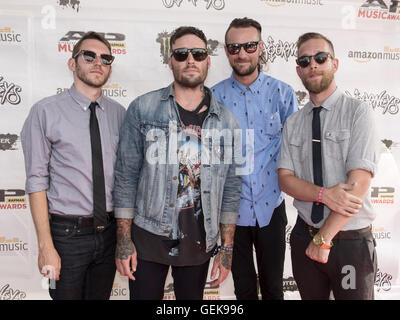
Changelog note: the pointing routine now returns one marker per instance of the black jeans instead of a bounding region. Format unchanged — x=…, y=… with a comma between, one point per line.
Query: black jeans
x=87, y=261
x=269, y=243
x=350, y=270
x=189, y=281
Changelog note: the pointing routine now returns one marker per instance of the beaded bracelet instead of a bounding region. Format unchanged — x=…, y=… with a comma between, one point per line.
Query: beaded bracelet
x=225, y=248
x=320, y=195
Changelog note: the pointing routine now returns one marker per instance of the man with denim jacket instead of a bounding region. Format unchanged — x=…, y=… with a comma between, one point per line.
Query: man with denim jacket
x=177, y=185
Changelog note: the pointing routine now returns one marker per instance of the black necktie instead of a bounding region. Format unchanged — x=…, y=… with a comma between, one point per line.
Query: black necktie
x=99, y=194
x=317, y=212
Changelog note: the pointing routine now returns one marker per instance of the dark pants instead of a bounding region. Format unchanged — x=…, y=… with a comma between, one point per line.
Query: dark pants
x=189, y=282
x=269, y=243
x=87, y=261
x=350, y=270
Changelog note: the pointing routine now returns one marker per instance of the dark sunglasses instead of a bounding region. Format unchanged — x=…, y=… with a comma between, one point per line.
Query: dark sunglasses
x=249, y=47
x=90, y=56
x=181, y=54
x=319, y=58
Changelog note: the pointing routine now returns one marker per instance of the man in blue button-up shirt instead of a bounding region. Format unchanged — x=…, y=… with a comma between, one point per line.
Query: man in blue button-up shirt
x=261, y=105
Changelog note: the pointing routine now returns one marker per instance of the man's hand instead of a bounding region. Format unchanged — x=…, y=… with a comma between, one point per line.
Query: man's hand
x=223, y=263
x=125, y=254
x=338, y=199
x=223, y=259
x=317, y=253
x=49, y=263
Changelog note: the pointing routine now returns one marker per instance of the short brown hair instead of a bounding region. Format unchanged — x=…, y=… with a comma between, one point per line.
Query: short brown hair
x=248, y=23
x=90, y=35
x=184, y=30
x=314, y=35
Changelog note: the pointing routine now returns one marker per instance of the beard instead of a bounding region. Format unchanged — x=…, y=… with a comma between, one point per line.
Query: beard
x=318, y=87
x=189, y=81
x=96, y=82
x=244, y=71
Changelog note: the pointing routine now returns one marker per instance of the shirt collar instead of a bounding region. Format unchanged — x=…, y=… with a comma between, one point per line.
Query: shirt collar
x=255, y=87
x=328, y=104
x=169, y=92
x=83, y=101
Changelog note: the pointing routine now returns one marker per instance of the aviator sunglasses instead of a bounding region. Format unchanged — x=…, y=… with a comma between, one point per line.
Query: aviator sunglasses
x=319, y=58
x=90, y=56
x=249, y=47
x=181, y=54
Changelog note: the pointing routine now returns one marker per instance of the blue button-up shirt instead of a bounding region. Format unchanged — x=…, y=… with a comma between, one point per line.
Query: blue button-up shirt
x=262, y=107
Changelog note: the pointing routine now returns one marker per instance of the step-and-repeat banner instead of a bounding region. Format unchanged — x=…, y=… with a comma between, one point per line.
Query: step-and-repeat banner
x=37, y=38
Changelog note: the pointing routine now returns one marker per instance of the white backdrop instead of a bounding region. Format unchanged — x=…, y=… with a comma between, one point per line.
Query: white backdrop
x=36, y=40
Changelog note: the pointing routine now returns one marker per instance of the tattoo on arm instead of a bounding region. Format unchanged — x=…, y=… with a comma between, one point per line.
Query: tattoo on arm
x=125, y=246
x=227, y=236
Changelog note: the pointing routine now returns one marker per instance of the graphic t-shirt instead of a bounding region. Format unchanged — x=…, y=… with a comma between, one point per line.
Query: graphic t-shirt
x=187, y=245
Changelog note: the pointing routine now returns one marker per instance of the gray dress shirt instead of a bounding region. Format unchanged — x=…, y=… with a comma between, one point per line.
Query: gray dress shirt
x=349, y=141
x=56, y=143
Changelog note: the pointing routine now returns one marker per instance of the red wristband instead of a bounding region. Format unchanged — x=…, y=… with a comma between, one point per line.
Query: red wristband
x=320, y=195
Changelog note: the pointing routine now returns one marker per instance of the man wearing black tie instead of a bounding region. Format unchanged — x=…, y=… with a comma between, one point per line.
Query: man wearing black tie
x=69, y=142
x=328, y=157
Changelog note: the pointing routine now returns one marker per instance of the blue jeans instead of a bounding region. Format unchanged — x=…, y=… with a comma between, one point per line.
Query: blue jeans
x=87, y=261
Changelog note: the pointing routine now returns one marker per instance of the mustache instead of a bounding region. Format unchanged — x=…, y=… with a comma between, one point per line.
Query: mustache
x=317, y=73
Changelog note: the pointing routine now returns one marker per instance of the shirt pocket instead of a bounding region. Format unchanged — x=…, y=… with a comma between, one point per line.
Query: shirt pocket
x=273, y=124
x=297, y=148
x=336, y=143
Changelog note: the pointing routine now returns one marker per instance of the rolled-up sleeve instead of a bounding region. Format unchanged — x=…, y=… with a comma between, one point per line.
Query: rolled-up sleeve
x=285, y=160
x=364, y=144
x=37, y=150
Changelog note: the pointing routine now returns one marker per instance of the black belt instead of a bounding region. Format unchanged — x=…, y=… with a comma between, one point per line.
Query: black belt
x=79, y=221
x=344, y=235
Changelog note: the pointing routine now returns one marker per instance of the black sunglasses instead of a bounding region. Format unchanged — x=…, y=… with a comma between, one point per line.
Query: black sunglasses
x=181, y=54
x=319, y=58
x=249, y=47
x=90, y=56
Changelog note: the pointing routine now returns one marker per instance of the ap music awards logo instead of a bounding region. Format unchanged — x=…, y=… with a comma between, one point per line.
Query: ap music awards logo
x=280, y=3
x=13, y=199
x=165, y=49
x=382, y=101
x=116, y=40
x=388, y=10
x=215, y=4
x=382, y=195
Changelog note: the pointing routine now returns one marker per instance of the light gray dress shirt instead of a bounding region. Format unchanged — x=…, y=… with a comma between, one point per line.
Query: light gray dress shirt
x=56, y=143
x=349, y=141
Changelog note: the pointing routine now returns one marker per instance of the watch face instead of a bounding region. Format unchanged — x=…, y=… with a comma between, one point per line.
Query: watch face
x=318, y=240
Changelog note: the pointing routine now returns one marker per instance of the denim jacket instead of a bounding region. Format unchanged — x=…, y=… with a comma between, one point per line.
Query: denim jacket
x=147, y=168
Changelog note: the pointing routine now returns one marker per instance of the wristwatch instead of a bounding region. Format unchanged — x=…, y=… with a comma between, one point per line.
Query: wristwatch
x=320, y=242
